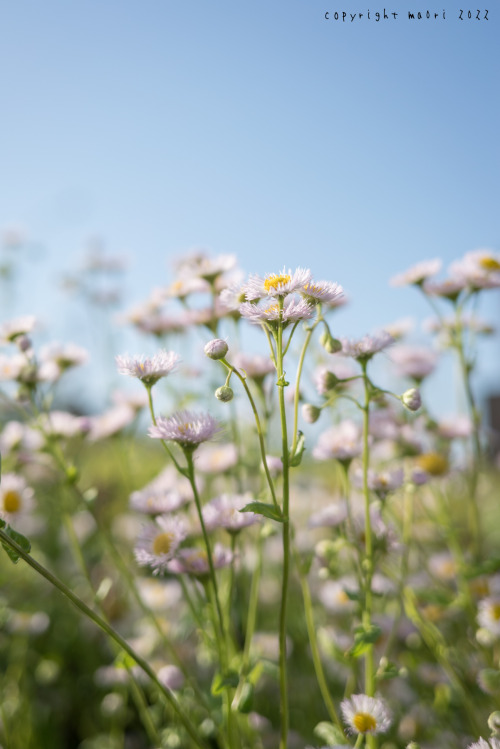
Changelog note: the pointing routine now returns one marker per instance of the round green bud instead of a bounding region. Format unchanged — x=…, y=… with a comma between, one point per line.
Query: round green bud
x=412, y=399
x=310, y=413
x=330, y=344
x=216, y=348
x=224, y=394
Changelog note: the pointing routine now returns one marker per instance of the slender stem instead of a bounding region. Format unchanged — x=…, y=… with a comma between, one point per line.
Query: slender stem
x=286, y=540
x=100, y=622
x=166, y=447
x=368, y=560
x=208, y=547
x=297, y=386
x=260, y=432
x=311, y=631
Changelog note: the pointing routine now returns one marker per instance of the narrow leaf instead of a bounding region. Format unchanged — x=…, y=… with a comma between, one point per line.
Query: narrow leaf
x=262, y=508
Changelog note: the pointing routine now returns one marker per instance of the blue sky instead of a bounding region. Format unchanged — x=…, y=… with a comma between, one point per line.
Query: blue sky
x=258, y=128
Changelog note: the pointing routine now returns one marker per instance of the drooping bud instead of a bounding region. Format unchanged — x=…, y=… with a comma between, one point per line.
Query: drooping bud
x=412, y=399
x=330, y=344
x=216, y=348
x=224, y=394
x=494, y=722
x=310, y=413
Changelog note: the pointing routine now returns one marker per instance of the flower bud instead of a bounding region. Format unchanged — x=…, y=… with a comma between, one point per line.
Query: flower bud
x=23, y=343
x=494, y=722
x=411, y=399
x=224, y=394
x=329, y=343
x=216, y=348
x=310, y=413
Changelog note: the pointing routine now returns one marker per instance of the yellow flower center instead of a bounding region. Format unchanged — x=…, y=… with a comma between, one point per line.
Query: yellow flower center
x=11, y=501
x=364, y=722
x=274, y=281
x=197, y=556
x=313, y=288
x=433, y=463
x=495, y=611
x=273, y=309
x=342, y=597
x=163, y=543
x=489, y=263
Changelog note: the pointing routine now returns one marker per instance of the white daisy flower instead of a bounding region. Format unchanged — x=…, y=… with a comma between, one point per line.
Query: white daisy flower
x=365, y=348
x=64, y=355
x=450, y=288
x=485, y=744
x=16, y=497
x=255, y=366
x=488, y=615
x=214, y=459
x=224, y=512
x=186, y=428
x=418, y=273
x=342, y=442
x=148, y=369
x=158, y=542
x=276, y=284
x=365, y=714
x=293, y=311
x=326, y=292
x=416, y=362
x=330, y=516
x=11, y=329
x=155, y=500
x=194, y=561
x=110, y=422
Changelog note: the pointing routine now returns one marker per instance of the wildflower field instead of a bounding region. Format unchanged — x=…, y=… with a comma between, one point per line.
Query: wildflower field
x=265, y=539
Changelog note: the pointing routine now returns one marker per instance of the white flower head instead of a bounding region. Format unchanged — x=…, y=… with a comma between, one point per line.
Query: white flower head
x=194, y=561
x=186, y=428
x=364, y=348
x=365, y=714
x=418, y=273
x=488, y=615
x=269, y=311
x=330, y=516
x=485, y=744
x=276, y=284
x=224, y=512
x=158, y=542
x=416, y=362
x=342, y=442
x=327, y=292
x=157, y=500
x=148, y=369
x=16, y=497
x=19, y=326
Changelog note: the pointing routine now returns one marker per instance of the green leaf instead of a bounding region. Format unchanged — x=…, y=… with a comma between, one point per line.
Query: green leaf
x=255, y=674
x=268, y=510
x=224, y=681
x=296, y=458
x=363, y=639
x=21, y=540
x=330, y=734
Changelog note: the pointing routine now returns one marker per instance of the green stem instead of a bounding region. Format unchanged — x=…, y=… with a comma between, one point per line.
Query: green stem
x=368, y=560
x=259, y=430
x=213, y=579
x=6, y=540
x=286, y=541
x=311, y=631
x=297, y=386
